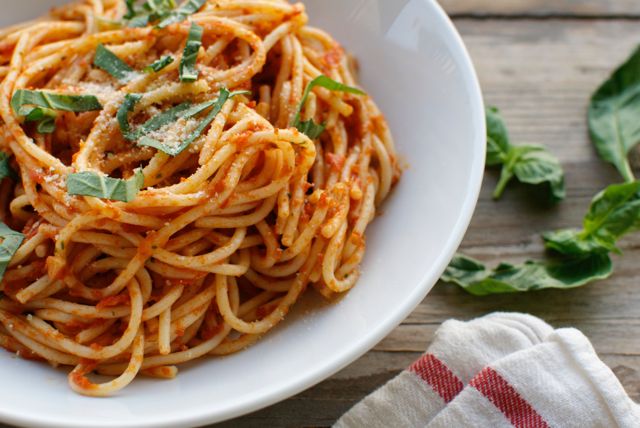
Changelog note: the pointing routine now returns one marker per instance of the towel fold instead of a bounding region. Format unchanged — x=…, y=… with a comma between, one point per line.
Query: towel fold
x=501, y=370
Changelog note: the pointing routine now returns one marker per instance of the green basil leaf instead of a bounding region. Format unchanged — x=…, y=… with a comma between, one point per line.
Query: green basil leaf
x=189, y=7
x=175, y=148
x=539, y=166
x=613, y=213
x=112, y=64
x=530, y=164
x=158, y=65
x=53, y=101
x=46, y=118
x=129, y=103
x=188, y=69
x=131, y=9
x=614, y=113
x=498, y=144
x=5, y=168
x=477, y=279
x=310, y=128
x=104, y=187
x=46, y=126
x=151, y=11
x=11, y=241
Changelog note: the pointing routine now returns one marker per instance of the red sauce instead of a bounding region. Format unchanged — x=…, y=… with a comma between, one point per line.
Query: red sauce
x=336, y=162
x=111, y=301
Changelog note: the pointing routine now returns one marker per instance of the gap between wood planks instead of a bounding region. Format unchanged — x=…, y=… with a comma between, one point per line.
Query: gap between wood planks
x=480, y=16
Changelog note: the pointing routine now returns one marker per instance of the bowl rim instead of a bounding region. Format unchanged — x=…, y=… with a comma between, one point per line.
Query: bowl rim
x=361, y=345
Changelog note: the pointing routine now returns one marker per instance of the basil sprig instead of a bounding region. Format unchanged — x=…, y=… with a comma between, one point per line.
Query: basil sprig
x=158, y=64
x=5, y=168
x=101, y=186
x=309, y=127
x=577, y=257
x=162, y=12
x=112, y=64
x=40, y=106
x=614, y=115
x=188, y=70
x=11, y=241
x=477, y=279
x=613, y=213
x=181, y=111
x=531, y=164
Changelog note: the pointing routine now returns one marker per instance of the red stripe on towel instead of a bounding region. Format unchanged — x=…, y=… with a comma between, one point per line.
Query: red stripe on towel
x=437, y=374
x=505, y=397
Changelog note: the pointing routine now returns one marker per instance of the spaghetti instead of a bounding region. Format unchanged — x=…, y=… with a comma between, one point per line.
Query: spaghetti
x=182, y=174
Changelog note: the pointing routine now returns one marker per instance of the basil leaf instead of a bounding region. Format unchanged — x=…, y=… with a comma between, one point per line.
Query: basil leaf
x=613, y=115
x=187, y=8
x=53, y=101
x=310, y=128
x=530, y=164
x=613, y=213
x=477, y=279
x=176, y=149
x=46, y=118
x=129, y=103
x=5, y=168
x=151, y=11
x=131, y=9
x=188, y=70
x=112, y=64
x=158, y=65
x=539, y=166
x=11, y=241
x=498, y=144
x=104, y=187
x=46, y=126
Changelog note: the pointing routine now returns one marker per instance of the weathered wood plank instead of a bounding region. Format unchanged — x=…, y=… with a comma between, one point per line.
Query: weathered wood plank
x=541, y=73
x=541, y=8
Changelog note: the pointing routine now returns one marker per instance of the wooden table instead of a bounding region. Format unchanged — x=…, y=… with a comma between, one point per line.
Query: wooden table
x=539, y=61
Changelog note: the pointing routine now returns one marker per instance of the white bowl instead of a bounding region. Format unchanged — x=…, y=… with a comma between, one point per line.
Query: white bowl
x=415, y=65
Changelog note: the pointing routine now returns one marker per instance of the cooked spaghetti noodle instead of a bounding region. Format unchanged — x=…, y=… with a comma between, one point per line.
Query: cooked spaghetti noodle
x=222, y=237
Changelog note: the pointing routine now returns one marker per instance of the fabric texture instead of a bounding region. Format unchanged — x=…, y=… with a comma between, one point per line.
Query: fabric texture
x=501, y=370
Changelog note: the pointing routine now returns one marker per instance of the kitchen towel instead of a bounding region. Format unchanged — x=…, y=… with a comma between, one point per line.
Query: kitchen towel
x=501, y=370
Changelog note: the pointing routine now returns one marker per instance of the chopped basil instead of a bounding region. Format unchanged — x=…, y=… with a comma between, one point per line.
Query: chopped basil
x=39, y=106
x=189, y=7
x=158, y=65
x=45, y=118
x=309, y=127
x=177, y=148
x=112, y=64
x=130, y=101
x=5, y=168
x=11, y=241
x=53, y=101
x=104, y=187
x=188, y=70
x=151, y=11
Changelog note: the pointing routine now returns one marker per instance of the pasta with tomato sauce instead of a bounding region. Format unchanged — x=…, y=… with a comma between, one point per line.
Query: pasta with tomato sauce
x=173, y=178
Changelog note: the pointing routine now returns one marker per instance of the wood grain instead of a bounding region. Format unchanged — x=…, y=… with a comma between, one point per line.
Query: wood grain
x=541, y=73
x=542, y=8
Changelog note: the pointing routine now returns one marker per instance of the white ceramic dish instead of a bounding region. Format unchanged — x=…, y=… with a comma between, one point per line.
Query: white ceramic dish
x=415, y=65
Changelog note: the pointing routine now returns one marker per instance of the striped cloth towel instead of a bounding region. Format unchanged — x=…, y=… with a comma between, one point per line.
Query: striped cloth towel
x=502, y=370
